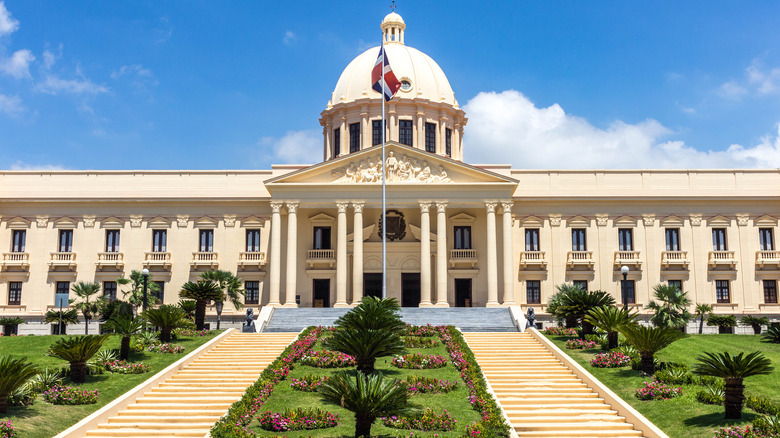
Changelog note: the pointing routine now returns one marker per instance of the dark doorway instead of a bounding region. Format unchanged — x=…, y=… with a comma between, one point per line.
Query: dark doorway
x=462, y=292
x=410, y=289
x=321, y=288
x=372, y=284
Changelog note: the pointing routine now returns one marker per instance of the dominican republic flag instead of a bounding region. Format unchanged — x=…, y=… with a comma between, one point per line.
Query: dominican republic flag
x=383, y=79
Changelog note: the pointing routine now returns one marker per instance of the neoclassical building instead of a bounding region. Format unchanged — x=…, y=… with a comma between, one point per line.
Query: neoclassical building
x=458, y=234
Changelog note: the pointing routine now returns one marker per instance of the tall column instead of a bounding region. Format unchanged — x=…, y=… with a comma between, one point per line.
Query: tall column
x=292, y=255
x=341, y=256
x=425, y=255
x=509, y=284
x=357, y=254
x=276, y=254
x=492, y=269
x=441, y=255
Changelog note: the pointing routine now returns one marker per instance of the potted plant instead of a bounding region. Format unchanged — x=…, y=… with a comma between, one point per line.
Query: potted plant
x=725, y=323
x=755, y=322
x=10, y=325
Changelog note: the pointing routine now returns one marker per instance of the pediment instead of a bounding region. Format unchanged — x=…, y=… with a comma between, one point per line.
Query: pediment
x=578, y=221
x=673, y=221
x=719, y=221
x=112, y=222
x=765, y=221
x=624, y=221
x=206, y=222
x=321, y=219
x=532, y=222
x=462, y=219
x=17, y=223
x=158, y=222
x=65, y=223
x=252, y=222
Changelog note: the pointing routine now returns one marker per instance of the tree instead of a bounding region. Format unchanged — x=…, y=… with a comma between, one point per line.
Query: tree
x=126, y=326
x=84, y=290
x=77, y=350
x=202, y=292
x=733, y=369
x=650, y=340
x=672, y=309
x=188, y=306
x=368, y=396
x=611, y=319
x=110, y=308
x=229, y=284
x=69, y=316
x=14, y=372
x=573, y=303
x=702, y=310
x=135, y=295
x=167, y=317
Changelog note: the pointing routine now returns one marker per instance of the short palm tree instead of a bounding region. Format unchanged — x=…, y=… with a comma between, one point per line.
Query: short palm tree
x=167, y=317
x=573, y=303
x=672, y=308
x=125, y=326
x=650, y=340
x=135, y=296
x=611, y=319
x=733, y=369
x=84, y=290
x=110, y=308
x=374, y=313
x=202, y=292
x=77, y=350
x=14, y=372
x=188, y=306
x=69, y=316
x=229, y=284
x=702, y=310
x=368, y=396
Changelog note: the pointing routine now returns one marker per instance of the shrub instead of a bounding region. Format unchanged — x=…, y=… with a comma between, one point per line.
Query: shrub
x=68, y=395
x=612, y=359
x=420, y=330
x=772, y=335
x=298, y=419
x=709, y=381
x=767, y=424
x=122, y=367
x=674, y=376
x=46, y=379
x=7, y=430
x=726, y=321
x=419, y=361
x=657, y=391
x=427, y=420
x=711, y=395
x=147, y=338
x=22, y=396
x=308, y=383
x=420, y=342
x=422, y=385
x=628, y=350
x=166, y=348
x=328, y=359
x=580, y=344
x=560, y=331
x=762, y=405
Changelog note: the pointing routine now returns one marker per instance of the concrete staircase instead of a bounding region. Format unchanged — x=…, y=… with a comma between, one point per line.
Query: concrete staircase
x=540, y=395
x=468, y=319
x=191, y=401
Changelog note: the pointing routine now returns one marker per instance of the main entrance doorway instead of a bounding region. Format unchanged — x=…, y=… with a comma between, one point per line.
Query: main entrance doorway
x=462, y=292
x=410, y=289
x=321, y=288
x=372, y=284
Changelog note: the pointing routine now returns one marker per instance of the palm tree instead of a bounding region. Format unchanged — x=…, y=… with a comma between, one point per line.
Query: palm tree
x=14, y=372
x=650, y=340
x=84, y=290
x=368, y=396
x=374, y=313
x=110, y=308
x=188, y=306
x=229, y=284
x=672, y=311
x=135, y=295
x=702, y=310
x=732, y=369
x=202, y=292
x=611, y=319
x=167, y=317
x=573, y=303
x=126, y=326
x=69, y=316
x=77, y=350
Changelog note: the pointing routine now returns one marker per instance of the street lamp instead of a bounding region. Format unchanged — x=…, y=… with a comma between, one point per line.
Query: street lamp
x=145, y=273
x=624, y=270
x=219, y=304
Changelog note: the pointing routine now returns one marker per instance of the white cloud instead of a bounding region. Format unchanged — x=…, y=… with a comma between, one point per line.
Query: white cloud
x=758, y=81
x=289, y=37
x=55, y=85
x=18, y=65
x=732, y=90
x=296, y=147
x=508, y=127
x=10, y=105
x=49, y=58
x=140, y=78
x=7, y=24
x=19, y=165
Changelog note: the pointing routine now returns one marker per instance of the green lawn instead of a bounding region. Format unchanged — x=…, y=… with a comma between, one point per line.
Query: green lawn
x=45, y=420
x=684, y=417
x=456, y=402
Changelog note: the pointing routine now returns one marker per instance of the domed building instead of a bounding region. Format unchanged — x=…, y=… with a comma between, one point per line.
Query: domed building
x=458, y=235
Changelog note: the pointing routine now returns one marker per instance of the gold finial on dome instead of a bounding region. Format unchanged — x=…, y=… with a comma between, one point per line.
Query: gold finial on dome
x=393, y=27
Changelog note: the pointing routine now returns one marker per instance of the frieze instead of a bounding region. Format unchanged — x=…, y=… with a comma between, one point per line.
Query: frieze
x=403, y=169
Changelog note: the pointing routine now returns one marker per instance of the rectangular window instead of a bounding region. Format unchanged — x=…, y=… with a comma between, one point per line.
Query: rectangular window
x=770, y=291
x=719, y=239
x=462, y=237
x=405, y=132
x=252, y=289
x=15, y=293
x=533, y=292
x=354, y=137
x=532, y=239
x=625, y=239
x=722, y=293
x=578, y=239
x=19, y=241
x=159, y=293
x=321, y=238
x=675, y=283
x=206, y=243
x=336, y=142
x=629, y=296
x=582, y=284
x=430, y=137
x=448, y=142
x=376, y=132
x=672, y=239
x=62, y=287
x=112, y=240
x=66, y=241
x=159, y=240
x=766, y=239
x=109, y=290
x=252, y=240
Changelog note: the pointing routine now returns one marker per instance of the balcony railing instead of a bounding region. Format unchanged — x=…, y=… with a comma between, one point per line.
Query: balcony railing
x=579, y=258
x=718, y=258
x=204, y=258
x=463, y=256
x=249, y=258
x=627, y=258
x=157, y=258
x=16, y=259
x=115, y=259
x=317, y=256
x=62, y=259
x=532, y=258
x=770, y=257
x=669, y=258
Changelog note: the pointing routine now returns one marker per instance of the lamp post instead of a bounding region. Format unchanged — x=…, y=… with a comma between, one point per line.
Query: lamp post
x=624, y=270
x=219, y=305
x=145, y=273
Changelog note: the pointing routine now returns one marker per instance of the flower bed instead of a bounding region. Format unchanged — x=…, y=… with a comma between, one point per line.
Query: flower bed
x=328, y=359
x=657, y=391
x=419, y=361
x=420, y=330
x=166, y=348
x=191, y=332
x=427, y=420
x=6, y=430
x=580, y=344
x=420, y=342
x=612, y=359
x=308, y=383
x=426, y=385
x=122, y=367
x=298, y=419
x=560, y=331
x=68, y=395
x=743, y=432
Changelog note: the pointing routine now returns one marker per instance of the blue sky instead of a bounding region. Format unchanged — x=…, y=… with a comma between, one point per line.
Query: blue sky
x=239, y=85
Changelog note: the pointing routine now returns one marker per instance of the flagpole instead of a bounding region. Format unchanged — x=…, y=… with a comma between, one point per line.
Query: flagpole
x=384, y=177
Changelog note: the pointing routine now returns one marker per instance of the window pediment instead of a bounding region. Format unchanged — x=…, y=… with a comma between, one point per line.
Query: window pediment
x=322, y=219
x=66, y=223
x=765, y=221
x=462, y=219
x=158, y=222
x=672, y=221
x=578, y=222
x=112, y=222
x=252, y=222
x=206, y=222
x=532, y=222
x=625, y=221
x=719, y=221
x=18, y=223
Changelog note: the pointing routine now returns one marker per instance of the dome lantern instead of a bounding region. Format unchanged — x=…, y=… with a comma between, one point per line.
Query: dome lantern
x=393, y=27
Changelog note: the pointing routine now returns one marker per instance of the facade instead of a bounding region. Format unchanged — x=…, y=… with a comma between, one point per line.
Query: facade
x=458, y=234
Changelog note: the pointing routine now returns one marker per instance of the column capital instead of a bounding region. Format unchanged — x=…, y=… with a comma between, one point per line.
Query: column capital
x=425, y=206
x=358, y=206
x=292, y=207
x=342, y=206
x=602, y=220
x=743, y=219
x=555, y=220
x=441, y=206
x=507, y=206
x=648, y=219
x=276, y=206
x=491, y=206
x=695, y=219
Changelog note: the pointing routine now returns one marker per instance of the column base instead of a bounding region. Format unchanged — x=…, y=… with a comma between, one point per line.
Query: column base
x=426, y=304
x=341, y=305
x=508, y=304
x=492, y=304
x=292, y=305
x=274, y=304
x=442, y=304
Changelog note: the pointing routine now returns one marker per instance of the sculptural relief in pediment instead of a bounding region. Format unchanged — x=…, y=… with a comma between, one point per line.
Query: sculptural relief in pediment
x=399, y=169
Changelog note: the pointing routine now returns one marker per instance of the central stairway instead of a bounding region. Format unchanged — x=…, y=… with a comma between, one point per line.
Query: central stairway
x=540, y=395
